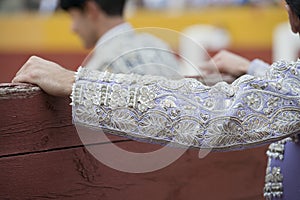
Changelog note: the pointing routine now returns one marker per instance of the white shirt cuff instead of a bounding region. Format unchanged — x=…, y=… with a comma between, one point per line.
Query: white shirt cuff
x=258, y=68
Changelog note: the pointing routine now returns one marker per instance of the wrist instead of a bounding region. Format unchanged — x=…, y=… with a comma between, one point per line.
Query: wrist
x=69, y=83
x=244, y=67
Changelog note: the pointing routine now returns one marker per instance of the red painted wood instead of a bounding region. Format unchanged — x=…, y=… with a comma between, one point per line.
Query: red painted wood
x=32, y=121
x=75, y=174
x=41, y=157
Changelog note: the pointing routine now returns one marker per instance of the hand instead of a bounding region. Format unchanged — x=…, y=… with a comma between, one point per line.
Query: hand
x=49, y=76
x=227, y=63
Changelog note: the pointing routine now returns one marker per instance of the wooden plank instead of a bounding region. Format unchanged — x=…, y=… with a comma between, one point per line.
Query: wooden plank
x=32, y=121
x=75, y=174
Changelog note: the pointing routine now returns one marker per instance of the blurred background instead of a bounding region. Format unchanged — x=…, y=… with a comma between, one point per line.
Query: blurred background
x=252, y=28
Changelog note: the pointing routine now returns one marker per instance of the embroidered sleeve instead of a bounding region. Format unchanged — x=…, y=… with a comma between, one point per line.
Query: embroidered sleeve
x=250, y=111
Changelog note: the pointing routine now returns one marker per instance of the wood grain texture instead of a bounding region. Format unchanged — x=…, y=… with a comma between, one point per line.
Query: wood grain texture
x=42, y=157
x=75, y=174
x=32, y=121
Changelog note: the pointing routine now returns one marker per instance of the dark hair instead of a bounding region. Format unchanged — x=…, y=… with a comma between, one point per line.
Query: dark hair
x=110, y=7
x=295, y=6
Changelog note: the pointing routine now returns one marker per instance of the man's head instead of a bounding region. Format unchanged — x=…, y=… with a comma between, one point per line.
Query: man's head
x=110, y=7
x=293, y=8
x=92, y=18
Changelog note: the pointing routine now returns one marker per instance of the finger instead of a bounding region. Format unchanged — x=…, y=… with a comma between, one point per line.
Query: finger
x=23, y=69
x=218, y=55
x=20, y=71
x=206, y=65
x=228, y=78
x=16, y=79
x=209, y=67
x=20, y=79
x=28, y=64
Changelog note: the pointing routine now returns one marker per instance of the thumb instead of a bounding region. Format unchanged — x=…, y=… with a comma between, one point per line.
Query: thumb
x=20, y=79
x=17, y=79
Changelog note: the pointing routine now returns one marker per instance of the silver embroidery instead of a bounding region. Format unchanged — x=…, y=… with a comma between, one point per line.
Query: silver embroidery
x=274, y=178
x=248, y=112
x=273, y=185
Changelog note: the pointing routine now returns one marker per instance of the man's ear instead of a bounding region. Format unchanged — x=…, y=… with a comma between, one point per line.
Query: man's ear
x=294, y=20
x=92, y=9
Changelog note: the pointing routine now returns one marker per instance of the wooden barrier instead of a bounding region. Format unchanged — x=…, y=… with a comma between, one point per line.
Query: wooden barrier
x=42, y=157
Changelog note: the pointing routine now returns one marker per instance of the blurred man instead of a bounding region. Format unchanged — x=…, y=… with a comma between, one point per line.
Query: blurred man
x=100, y=24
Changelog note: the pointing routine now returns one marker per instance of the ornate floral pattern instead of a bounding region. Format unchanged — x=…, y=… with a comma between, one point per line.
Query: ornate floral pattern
x=248, y=112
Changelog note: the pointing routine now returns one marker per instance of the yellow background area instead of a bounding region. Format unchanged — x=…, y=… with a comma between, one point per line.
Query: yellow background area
x=249, y=27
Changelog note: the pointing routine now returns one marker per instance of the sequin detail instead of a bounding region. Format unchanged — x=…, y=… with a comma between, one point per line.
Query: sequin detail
x=274, y=178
